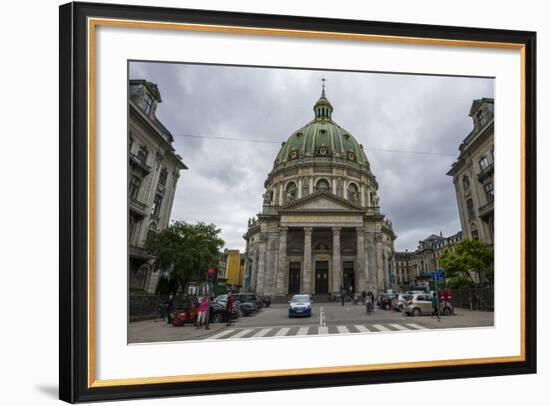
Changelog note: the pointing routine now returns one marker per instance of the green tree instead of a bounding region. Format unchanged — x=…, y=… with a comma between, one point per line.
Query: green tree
x=186, y=250
x=470, y=261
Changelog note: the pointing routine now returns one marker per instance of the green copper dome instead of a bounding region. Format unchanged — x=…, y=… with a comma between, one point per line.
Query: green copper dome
x=322, y=138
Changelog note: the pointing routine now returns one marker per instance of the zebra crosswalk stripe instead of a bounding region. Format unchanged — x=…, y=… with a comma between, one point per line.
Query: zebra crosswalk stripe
x=362, y=329
x=282, y=332
x=342, y=329
x=302, y=331
x=399, y=327
x=219, y=335
x=416, y=326
x=262, y=332
x=241, y=333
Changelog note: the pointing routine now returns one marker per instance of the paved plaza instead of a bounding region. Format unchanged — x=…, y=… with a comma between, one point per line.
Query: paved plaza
x=327, y=318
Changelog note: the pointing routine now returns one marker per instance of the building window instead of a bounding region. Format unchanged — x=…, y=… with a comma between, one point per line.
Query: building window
x=157, y=203
x=291, y=192
x=151, y=233
x=470, y=208
x=483, y=163
x=147, y=103
x=130, y=141
x=142, y=155
x=135, y=184
x=353, y=193
x=482, y=117
x=323, y=186
x=465, y=183
x=475, y=235
x=489, y=192
x=163, y=176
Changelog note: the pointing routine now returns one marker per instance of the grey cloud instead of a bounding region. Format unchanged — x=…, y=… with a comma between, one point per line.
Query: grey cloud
x=225, y=181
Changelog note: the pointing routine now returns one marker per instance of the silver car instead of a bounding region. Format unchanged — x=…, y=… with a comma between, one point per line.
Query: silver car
x=418, y=304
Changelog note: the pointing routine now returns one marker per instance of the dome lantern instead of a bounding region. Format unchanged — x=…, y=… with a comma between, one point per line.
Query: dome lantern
x=323, y=109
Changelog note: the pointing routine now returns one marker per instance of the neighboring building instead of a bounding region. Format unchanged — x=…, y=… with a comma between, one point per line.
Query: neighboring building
x=222, y=266
x=320, y=228
x=234, y=270
x=153, y=174
x=405, y=265
x=416, y=266
x=473, y=174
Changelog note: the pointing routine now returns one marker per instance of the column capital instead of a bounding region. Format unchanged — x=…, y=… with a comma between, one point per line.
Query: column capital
x=308, y=230
x=336, y=229
x=360, y=229
x=283, y=229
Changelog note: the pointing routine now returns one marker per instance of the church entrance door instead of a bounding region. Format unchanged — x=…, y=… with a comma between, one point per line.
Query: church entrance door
x=349, y=276
x=293, y=278
x=321, y=277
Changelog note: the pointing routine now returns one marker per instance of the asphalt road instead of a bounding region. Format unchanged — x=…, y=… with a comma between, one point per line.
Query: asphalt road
x=327, y=318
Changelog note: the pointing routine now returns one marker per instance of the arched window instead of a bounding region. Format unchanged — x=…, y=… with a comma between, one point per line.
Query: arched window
x=470, y=208
x=353, y=193
x=163, y=176
x=466, y=182
x=143, y=154
x=151, y=232
x=291, y=192
x=322, y=185
x=135, y=184
x=474, y=232
x=483, y=163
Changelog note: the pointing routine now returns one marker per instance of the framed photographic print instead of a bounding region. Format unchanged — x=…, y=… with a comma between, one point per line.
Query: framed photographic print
x=259, y=202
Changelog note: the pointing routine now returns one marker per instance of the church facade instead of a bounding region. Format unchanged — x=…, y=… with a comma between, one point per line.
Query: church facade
x=320, y=229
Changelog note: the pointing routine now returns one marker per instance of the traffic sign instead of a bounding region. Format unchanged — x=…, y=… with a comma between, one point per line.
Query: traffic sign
x=435, y=276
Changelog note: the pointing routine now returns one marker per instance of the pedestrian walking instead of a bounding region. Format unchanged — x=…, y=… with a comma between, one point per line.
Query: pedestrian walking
x=368, y=303
x=203, y=311
x=229, y=307
x=210, y=301
x=343, y=295
x=435, y=305
x=370, y=295
x=169, y=308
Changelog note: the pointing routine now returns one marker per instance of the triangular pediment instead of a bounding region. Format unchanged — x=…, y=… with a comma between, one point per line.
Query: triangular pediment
x=324, y=201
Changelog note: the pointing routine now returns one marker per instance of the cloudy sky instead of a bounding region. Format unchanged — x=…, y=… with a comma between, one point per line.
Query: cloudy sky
x=224, y=183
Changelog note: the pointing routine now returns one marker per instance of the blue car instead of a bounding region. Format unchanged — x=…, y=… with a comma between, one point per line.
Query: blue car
x=299, y=305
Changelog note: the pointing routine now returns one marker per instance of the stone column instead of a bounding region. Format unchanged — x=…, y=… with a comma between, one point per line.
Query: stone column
x=362, y=195
x=254, y=272
x=379, y=263
x=261, y=267
x=345, y=191
x=311, y=185
x=361, y=261
x=281, y=191
x=308, y=274
x=281, y=261
x=336, y=260
x=300, y=188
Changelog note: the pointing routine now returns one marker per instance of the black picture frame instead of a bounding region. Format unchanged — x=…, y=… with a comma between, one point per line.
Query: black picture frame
x=74, y=200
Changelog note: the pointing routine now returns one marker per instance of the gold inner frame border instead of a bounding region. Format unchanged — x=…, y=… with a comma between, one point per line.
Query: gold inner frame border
x=94, y=22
